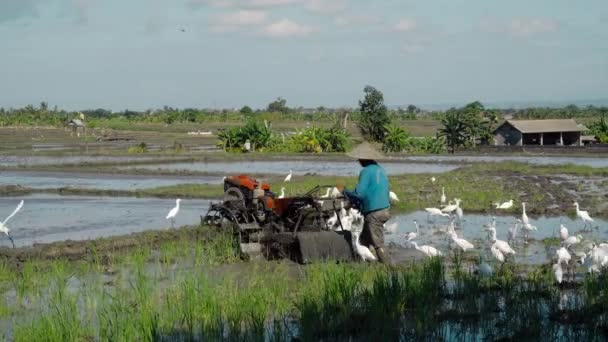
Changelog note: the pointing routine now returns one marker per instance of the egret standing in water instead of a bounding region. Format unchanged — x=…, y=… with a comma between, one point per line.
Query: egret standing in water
x=583, y=215
x=4, y=229
x=173, y=212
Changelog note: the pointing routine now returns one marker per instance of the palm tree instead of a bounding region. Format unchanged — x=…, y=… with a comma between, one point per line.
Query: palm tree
x=454, y=130
x=395, y=139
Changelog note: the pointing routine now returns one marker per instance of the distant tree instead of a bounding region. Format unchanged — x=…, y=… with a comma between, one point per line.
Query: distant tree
x=455, y=130
x=279, y=106
x=412, y=109
x=246, y=110
x=44, y=106
x=373, y=116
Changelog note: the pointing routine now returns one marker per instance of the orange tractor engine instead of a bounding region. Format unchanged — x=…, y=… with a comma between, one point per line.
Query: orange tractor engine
x=294, y=227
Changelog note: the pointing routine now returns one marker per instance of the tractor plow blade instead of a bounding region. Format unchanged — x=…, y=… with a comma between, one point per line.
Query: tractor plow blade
x=323, y=246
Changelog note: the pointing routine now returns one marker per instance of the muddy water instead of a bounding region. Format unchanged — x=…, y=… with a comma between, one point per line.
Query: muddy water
x=472, y=230
x=299, y=167
x=537, y=160
x=48, y=218
x=47, y=160
x=52, y=180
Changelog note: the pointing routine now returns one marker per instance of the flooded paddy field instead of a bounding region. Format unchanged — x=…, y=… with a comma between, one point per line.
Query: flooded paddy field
x=52, y=180
x=597, y=161
x=193, y=287
x=47, y=218
x=299, y=167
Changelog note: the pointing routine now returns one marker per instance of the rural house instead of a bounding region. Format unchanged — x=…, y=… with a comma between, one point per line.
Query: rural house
x=564, y=132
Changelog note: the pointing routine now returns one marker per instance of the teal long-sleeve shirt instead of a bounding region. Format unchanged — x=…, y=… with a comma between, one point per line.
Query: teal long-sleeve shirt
x=372, y=190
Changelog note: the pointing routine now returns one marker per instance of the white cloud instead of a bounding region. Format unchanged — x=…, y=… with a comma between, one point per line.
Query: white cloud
x=405, y=25
x=326, y=6
x=530, y=26
x=286, y=28
x=240, y=3
x=519, y=26
x=267, y=3
x=352, y=19
x=236, y=20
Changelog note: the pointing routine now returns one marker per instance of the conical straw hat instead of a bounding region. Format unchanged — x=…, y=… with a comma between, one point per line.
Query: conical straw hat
x=365, y=151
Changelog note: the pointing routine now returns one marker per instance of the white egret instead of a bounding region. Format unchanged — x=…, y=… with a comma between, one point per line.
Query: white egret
x=503, y=246
x=563, y=232
x=599, y=255
x=173, y=212
x=563, y=256
x=435, y=212
x=429, y=251
x=572, y=240
x=459, y=212
x=393, y=197
x=524, y=217
x=335, y=192
x=363, y=251
x=558, y=272
x=326, y=193
x=527, y=227
x=442, y=199
x=288, y=177
x=282, y=194
x=433, y=179
x=583, y=215
x=4, y=229
x=505, y=205
x=513, y=231
x=497, y=253
x=463, y=244
x=451, y=207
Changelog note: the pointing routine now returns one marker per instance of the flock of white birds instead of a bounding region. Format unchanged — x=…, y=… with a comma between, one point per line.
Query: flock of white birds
x=595, y=258
x=590, y=255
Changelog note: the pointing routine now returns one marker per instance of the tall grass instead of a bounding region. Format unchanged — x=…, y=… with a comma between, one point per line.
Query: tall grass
x=281, y=302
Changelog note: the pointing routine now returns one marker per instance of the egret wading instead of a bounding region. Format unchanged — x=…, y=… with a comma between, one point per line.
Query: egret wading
x=4, y=229
x=173, y=212
x=583, y=215
x=372, y=196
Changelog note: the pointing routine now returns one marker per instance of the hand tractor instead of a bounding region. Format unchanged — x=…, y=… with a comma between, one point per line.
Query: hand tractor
x=293, y=227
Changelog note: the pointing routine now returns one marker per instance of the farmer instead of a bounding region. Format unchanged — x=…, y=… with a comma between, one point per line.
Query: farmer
x=372, y=195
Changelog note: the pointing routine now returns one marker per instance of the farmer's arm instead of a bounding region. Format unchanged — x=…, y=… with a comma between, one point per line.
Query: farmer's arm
x=362, y=187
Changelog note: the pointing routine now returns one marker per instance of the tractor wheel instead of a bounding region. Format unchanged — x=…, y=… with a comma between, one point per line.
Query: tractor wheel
x=235, y=195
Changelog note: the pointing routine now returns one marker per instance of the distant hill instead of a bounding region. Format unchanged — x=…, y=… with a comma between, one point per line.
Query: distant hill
x=512, y=104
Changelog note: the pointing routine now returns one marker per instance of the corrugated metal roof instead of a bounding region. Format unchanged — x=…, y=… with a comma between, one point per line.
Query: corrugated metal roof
x=546, y=126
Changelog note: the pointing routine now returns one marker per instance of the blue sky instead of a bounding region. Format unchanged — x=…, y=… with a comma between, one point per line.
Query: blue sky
x=133, y=54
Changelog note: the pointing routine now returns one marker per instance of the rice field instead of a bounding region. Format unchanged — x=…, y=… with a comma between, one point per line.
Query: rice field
x=197, y=289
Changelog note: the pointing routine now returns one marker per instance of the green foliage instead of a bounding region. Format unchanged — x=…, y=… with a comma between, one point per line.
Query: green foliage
x=599, y=129
x=246, y=110
x=142, y=147
x=454, y=131
x=260, y=136
x=279, y=106
x=263, y=138
x=317, y=140
x=373, y=115
x=396, y=139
